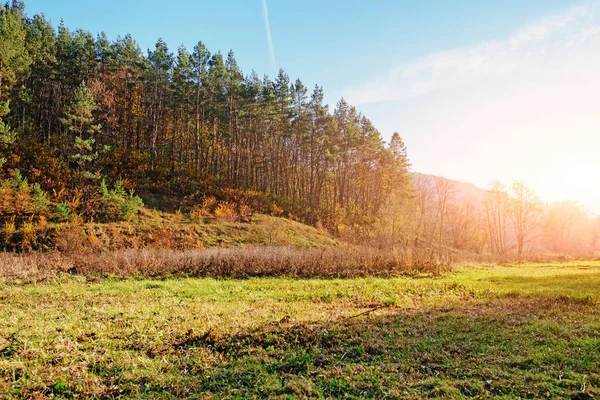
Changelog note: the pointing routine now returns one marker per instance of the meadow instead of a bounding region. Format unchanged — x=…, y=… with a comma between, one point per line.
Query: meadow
x=515, y=330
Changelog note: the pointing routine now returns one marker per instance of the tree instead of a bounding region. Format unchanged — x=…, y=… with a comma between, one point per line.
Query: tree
x=560, y=225
x=445, y=192
x=38, y=111
x=14, y=60
x=198, y=115
x=496, y=209
x=79, y=120
x=525, y=210
x=199, y=59
x=161, y=62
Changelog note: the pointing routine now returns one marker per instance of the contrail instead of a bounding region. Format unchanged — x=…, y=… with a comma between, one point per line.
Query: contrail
x=268, y=29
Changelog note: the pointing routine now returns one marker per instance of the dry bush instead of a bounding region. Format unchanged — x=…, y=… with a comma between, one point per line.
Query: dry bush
x=321, y=228
x=275, y=210
x=246, y=213
x=163, y=237
x=8, y=230
x=204, y=209
x=226, y=212
x=71, y=238
x=33, y=266
x=28, y=235
x=231, y=263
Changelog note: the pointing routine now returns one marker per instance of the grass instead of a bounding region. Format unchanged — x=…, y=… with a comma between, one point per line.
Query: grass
x=528, y=330
x=153, y=229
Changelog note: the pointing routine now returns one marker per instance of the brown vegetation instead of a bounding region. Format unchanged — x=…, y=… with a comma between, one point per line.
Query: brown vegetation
x=230, y=262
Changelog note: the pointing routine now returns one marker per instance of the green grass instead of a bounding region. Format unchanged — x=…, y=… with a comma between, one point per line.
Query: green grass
x=513, y=331
x=178, y=231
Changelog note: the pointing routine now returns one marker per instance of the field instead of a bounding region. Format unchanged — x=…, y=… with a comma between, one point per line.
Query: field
x=527, y=330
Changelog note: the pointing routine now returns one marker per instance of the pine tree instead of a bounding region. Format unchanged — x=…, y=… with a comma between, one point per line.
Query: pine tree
x=161, y=63
x=79, y=120
x=14, y=60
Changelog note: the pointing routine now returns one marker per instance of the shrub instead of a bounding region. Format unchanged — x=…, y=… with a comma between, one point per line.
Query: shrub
x=71, y=238
x=226, y=212
x=209, y=203
x=112, y=204
x=39, y=200
x=42, y=224
x=276, y=211
x=8, y=230
x=28, y=235
x=63, y=212
x=235, y=263
x=245, y=212
x=203, y=210
x=19, y=198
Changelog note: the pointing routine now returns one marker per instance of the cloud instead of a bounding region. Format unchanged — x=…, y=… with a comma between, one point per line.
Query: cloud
x=265, y=11
x=529, y=49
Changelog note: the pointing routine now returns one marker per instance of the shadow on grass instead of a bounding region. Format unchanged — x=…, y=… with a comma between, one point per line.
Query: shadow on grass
x=521, y=348
x=513, y=346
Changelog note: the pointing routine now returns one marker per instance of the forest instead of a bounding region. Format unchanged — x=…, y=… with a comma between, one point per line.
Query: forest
x=77, y=108
x=91, y=128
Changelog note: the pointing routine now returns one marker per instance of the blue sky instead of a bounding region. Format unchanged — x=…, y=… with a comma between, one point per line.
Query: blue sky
x=332, y=43
x=479, y=90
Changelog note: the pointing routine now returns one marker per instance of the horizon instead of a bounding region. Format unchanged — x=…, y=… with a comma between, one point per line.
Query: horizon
x=446, y=89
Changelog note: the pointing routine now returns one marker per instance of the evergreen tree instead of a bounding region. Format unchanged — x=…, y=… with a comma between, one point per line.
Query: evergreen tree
x=79, y=120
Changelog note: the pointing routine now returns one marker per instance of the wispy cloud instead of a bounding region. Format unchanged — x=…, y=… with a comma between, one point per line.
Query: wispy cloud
x=532, y=46
x=265, y=10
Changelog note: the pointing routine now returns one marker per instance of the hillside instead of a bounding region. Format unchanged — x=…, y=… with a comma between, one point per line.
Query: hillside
x=154, y=229
x=463, y=191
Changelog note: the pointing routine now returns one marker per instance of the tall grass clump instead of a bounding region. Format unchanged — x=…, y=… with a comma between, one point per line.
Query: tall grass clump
x=247, y=262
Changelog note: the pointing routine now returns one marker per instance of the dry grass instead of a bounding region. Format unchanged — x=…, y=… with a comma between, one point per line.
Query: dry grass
x=511, y=258
x=231, y=263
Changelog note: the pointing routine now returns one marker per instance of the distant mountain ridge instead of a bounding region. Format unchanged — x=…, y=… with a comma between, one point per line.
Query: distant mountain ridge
x=463, y=191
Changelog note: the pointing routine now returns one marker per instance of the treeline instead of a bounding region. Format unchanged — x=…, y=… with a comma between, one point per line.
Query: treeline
x=75, y=107
x=501, y=221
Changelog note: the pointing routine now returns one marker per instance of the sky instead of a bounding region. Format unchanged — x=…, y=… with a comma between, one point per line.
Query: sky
x=480, y=91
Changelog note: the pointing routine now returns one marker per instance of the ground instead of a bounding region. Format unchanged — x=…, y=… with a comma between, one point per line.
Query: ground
x=526, y=330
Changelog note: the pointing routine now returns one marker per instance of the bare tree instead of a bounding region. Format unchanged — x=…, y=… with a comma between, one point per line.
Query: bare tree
x=562, y=227
x=525, y=212
x=465, y=227
x=425, y=224
x=445, y=191
x=496, y=206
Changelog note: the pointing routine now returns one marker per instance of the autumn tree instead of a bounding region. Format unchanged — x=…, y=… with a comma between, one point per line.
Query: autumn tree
x=496, y=206
x=525, y=211
x=445, y=194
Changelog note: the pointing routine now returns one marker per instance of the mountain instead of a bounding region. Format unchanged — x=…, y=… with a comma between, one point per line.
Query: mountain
x=463, y=191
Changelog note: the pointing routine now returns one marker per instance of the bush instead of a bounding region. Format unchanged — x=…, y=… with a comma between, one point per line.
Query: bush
x=112, y=204
x=8, y=230
x=226, y=212
x=63, y=212
x=19, y=198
